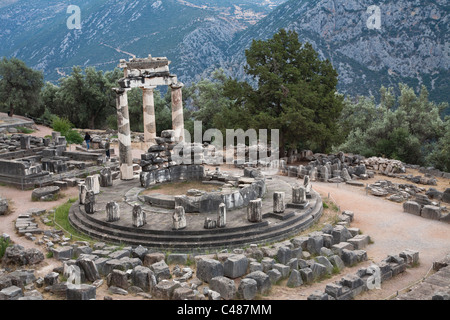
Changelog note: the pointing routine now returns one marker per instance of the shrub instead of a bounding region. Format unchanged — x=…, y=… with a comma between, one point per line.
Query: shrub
x=4, y=243
x=62, y=125
x=74, y=136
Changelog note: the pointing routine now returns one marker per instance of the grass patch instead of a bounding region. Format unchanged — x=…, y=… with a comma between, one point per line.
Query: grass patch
x=4, y=243
x=62, y=220
x=336, y=270
x=49, y=254
x=24, y=130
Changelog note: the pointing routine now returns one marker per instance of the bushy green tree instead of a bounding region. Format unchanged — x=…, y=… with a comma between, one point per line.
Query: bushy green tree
x=439, y=156
x=407, y=127
x=295, y=93
x=208, y=100
x=85, y=97
x=20, y=87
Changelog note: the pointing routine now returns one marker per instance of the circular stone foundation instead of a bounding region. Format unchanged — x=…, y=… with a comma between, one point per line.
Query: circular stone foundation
x=158, y=232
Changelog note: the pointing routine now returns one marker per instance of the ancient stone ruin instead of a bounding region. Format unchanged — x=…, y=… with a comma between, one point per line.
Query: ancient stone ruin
x=147, y=74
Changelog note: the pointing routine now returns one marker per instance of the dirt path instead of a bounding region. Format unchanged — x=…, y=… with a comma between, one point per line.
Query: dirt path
x=20, y=202
x=392, y=231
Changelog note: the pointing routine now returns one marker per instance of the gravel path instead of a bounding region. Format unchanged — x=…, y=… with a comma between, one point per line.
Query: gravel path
x=392, y=231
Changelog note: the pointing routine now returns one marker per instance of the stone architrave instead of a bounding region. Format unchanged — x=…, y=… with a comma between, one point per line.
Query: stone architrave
x=124, y=135
x=112, y=211
x=149, y=116
x=139, y=216
x=222, y=216
x=278, y=202
x=254, y=210
x=89, y=202
x=82, y=190
x=298, y=194
x=179, y=218
x=177, y=111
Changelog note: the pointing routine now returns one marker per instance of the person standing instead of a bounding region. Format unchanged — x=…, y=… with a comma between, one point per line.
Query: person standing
x=87, y=138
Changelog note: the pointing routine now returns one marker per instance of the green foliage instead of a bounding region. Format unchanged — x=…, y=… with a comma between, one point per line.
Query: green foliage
x=296, y=93
x=85, y=97
x=73, y=136
x=24, y=130
x=439, y=156
x=62, y=219
x=4, y=243
x=208, y=100
x=111, y=122
x=19, y=87
x=407, y=127
x=64, y=126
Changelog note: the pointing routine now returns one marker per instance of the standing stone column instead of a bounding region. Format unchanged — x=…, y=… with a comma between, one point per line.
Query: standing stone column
x=177, y=111
x=89, y=202
x=139, y=216
x=222, y=216
x=254, y=210
x=93, y=183
x=82, y=193
x=278, y=202
x=124, y=134
x=149, y=116
x=298, y=194
x=179, y=218
x=106, y=177
x=307, y=184
x=112, y=211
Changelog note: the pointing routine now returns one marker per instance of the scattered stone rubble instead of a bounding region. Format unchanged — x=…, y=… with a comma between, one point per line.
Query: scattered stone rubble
x=352, y=285
x=434, y=287
x=139, y=271
x=159, y=166
x=4, y=206
x=394, y=191
x=424, y=207
x=27, y=161
x=348, y=168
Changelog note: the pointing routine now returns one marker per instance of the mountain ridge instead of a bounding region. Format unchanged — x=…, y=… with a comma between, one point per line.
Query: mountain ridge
x=412, y=45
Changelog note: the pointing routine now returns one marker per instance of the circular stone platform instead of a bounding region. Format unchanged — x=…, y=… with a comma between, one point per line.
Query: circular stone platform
x=158, y=233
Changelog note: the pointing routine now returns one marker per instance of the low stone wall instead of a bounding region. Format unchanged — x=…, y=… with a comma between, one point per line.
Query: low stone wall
x=427, y=211
x=172, y=174
x=365, y=279
x=209, y=202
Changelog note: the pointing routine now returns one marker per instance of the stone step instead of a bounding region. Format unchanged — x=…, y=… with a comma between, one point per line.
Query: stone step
x=216, y=238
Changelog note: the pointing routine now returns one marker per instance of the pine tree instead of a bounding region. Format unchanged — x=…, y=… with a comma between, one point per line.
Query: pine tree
x=295, y=93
